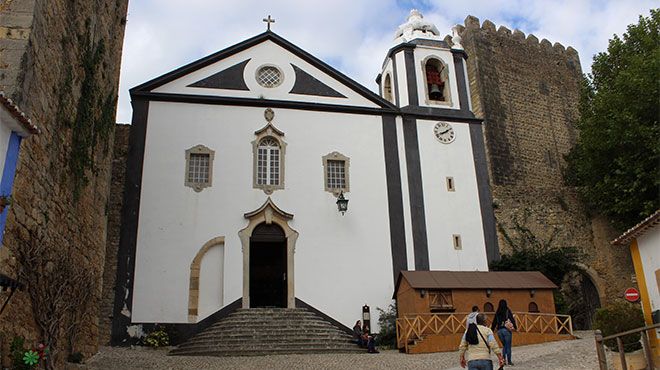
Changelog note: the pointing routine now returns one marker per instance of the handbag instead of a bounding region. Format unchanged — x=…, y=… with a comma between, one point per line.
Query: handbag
x=508, y=324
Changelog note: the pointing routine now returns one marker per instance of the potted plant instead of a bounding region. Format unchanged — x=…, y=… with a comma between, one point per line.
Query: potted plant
x=619, y=317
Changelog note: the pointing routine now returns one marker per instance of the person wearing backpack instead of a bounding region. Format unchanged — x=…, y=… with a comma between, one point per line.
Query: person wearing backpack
x=476, y=346
x=504, y=324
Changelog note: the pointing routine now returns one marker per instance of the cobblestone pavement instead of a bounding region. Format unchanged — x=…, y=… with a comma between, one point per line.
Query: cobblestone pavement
x=564, y=355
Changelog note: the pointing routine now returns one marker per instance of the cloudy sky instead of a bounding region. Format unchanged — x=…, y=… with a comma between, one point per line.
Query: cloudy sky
x=351, y=35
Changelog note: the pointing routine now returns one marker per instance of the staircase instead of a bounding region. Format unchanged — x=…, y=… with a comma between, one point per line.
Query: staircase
x=268, y=331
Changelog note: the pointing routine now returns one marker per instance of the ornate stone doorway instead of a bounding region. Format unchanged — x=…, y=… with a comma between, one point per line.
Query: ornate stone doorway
x=272, y=241
x=268, y=278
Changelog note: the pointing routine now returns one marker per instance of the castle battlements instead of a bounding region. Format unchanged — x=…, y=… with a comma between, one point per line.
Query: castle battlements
x=473, y=23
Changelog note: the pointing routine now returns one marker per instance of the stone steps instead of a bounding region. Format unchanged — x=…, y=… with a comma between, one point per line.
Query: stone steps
x=266, y=331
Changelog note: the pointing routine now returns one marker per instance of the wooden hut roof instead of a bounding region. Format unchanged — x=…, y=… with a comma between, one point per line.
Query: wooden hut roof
x=475, y=280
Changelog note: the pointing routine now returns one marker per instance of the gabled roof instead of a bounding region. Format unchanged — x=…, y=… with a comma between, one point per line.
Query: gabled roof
x=475, y=280
x=638, y=230
x=17, y=114
x=268, y=35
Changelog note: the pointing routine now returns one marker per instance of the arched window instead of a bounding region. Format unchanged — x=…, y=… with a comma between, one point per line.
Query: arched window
x=533, y=307
x=488, y=307
x=387, y=89
x=437, y=87
x=268, y=162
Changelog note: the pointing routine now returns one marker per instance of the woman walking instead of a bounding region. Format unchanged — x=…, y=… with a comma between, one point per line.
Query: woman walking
x=477, y=344
x=504, y=324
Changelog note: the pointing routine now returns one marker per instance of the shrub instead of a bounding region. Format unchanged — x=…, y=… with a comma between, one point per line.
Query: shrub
x=157, y=338
x=616, y=318
x=387, y=325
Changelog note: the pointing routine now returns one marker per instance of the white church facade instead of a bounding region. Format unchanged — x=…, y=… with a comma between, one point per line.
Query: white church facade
x=237, y=162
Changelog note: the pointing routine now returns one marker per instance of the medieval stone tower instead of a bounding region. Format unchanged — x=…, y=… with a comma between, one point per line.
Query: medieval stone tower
x=528, y=92
x=59, y=61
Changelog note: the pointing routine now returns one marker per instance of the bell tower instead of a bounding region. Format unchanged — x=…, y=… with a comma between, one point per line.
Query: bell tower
x=422, y=70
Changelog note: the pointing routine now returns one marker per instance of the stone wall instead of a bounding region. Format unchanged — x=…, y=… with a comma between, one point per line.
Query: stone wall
x=114, y=224
x=59, y=61
x=527, y=92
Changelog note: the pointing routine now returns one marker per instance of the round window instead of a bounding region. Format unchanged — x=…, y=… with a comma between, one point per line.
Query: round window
x=269, y=76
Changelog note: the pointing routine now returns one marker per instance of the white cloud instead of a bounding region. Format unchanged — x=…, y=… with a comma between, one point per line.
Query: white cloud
x=352, y=36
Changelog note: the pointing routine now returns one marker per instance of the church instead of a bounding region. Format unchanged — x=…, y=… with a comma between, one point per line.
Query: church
x=260, y=176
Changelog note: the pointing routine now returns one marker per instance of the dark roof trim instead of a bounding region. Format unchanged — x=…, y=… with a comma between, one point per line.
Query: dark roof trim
x=16, y=112
x=452, y=115
x=638, y=230
x=268, y=35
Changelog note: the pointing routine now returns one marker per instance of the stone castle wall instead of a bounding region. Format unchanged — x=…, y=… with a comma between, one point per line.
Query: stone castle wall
x=527, y=92
x=59, y=61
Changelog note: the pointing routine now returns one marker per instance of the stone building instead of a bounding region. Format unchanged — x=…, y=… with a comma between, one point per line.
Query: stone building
x=527, y=92
x=59, y=61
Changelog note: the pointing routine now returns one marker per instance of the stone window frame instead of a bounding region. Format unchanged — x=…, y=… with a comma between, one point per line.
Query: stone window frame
x=199, y=149
x=389, y=96
x=445, y=74
x=268, y=131
x=263, y=66
x=336, y=156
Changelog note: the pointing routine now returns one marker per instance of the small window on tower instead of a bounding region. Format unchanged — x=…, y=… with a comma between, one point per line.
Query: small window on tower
x=387, y=89
x=457, y=242
x=436, y=80
x=336, y=173
x=450, y=184
x=199, y=167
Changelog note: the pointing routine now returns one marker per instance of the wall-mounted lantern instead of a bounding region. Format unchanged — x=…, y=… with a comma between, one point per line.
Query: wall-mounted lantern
x=422, y=293
x=342, y=203
x=532, y=293
x=489, y=292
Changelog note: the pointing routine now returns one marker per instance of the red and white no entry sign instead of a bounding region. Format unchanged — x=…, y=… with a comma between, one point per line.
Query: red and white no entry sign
x=632, y=295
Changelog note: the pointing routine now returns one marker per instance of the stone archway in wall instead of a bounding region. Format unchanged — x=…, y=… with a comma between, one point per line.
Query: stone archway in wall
x=585, y=293
x=195, y=267
x=269, y=214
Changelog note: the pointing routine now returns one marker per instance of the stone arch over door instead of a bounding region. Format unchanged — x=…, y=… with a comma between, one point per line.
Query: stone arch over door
x=195, y=267
x=268, y=213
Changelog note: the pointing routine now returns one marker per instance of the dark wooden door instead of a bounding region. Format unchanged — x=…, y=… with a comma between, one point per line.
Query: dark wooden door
x=268, y=266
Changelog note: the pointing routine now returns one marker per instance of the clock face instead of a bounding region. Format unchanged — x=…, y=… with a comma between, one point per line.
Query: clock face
x=444, y=132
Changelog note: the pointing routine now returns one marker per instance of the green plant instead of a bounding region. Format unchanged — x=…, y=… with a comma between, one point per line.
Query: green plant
x=616, y=318
x=387, y=325
x=17, y=351
x=157, y=338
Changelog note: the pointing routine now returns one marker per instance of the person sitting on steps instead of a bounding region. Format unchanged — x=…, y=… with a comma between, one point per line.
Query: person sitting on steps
x=357, y=334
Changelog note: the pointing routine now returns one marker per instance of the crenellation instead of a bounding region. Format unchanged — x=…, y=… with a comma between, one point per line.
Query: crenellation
x=488, y=26
x=559, y=48
x=546, y=45
x=503, y=31
x=532, y=40
x=472, y=22
x=518, y=35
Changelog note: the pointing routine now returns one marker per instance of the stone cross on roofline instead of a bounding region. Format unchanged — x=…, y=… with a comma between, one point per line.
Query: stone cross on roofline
x=268, y=21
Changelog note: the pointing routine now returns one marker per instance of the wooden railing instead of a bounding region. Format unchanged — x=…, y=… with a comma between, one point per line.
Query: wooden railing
x=600, y=346
x=416, y=326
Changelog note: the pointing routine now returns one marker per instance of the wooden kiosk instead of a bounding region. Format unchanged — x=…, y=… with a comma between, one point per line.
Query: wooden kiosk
x=433, y=306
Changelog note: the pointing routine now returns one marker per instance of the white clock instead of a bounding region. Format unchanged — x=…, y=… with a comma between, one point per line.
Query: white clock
x=444, y=132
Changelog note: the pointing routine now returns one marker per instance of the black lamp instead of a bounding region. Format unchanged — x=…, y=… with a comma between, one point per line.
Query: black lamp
x=342, y=203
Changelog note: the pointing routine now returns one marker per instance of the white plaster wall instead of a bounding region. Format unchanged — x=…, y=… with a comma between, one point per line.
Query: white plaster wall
x=211, y=281
x=456, y=212
x=421, y=53
x=341, y=262
x=266, y=53
x=5, y=134
x=402, y=79
x=649, y=251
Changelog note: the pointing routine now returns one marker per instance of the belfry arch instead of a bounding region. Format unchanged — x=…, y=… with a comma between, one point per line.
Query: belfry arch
x=269, y=214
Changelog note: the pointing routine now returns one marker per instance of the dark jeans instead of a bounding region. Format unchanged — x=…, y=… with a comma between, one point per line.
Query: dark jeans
x=480, y=365
x=505, y=337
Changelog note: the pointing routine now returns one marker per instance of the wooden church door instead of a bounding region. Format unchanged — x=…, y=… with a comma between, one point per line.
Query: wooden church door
x=268, y=266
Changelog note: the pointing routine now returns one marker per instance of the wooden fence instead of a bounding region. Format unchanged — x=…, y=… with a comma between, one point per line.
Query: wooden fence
x=600, y=346
x=411, y=328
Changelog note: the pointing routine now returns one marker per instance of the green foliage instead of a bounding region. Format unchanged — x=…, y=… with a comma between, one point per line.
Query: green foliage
x=616, y=318
x=615, y=162
x=387, y=326
x=157, y=338
x=16, y=352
